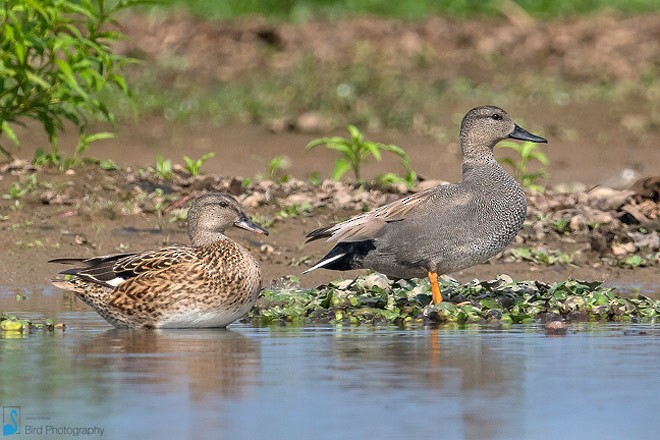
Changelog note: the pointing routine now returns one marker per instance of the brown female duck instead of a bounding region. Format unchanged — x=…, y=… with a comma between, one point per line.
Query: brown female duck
x=209, y=284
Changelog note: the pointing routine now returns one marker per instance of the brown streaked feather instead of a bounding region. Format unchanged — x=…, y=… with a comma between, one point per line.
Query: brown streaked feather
x=368, y=225
x=156, y=260
x=91, y=261
x=129, y=265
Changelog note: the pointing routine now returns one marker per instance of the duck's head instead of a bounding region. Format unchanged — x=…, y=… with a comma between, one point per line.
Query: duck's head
x=483, y=127
x=211, y=214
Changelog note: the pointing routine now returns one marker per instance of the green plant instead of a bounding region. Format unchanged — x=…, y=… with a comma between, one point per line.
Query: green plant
x=17, y=190
x=275, y=167
x=28, y=244
x=527, y=153
x=408, y=180
x=262, y=221
x=55, y=57
x=163, y=167
x=84, y=141
x=194, y=167
x=561, y=225
x=374, y=299
x=633, y=261
x=179, y=214
x=295, y=210
x=315, y=178
x=546, y=257
x=355, y=152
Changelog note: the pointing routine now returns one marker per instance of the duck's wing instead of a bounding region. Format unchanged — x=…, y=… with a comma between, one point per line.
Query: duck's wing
x=112, y=270
x=368, y=225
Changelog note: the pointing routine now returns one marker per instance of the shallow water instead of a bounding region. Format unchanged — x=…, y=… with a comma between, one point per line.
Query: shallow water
x=598, y=381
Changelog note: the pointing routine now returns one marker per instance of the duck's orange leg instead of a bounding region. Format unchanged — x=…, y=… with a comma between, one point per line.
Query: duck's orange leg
x=435, y=287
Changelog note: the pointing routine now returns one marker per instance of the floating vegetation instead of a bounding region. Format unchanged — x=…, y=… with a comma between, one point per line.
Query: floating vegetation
x=12, y=324
x=374, y=299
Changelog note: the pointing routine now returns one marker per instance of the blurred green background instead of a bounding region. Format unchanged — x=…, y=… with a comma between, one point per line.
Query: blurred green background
x=297, y=10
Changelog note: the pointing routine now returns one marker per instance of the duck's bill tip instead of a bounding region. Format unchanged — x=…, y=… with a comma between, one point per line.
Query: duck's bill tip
x=248, y=225
x=521, y=134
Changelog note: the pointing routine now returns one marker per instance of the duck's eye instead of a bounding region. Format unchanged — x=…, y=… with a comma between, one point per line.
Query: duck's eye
x=223, y=204
x=497, y=116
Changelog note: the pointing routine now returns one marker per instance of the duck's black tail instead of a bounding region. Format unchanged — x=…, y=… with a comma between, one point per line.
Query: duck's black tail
x=345, y=256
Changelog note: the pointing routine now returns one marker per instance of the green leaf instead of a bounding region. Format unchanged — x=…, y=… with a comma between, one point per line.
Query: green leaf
x=321, y=141
x=9, y=132
x=99, y=136
x=373, y=148
x=342, y=147
x=108, y=165
x=356, y=135
x=38, y=80
x=342, y=166
x=394, y=149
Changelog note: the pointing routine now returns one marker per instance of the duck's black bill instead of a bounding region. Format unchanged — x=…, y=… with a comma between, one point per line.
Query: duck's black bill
x=248, y=225
x=523, y=135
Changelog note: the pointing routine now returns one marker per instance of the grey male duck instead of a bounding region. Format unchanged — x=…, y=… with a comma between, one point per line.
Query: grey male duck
x=209, y=284
x=445, y=228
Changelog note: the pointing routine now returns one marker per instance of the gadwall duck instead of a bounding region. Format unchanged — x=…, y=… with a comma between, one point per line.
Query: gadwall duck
x=445, y=228
x=209, y=284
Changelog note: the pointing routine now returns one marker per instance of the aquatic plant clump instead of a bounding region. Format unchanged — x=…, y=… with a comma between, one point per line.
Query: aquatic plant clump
x=12, y=324
x=374, y=299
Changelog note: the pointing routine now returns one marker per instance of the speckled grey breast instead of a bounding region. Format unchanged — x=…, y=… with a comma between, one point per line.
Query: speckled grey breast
x=468, y=224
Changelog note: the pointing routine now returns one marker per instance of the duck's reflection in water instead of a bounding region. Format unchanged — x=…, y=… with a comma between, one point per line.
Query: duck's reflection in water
x=203, y=363
x=453, y=367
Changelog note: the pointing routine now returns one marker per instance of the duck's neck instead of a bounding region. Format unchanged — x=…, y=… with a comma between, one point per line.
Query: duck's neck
x=479, y=163
x=205, y=237
x=474, y=151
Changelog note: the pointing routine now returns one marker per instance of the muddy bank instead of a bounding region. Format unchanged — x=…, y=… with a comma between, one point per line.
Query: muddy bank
x=592, y=233
x=607, y=235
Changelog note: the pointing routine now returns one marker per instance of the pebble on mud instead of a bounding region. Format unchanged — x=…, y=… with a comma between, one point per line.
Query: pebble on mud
x=312, y=122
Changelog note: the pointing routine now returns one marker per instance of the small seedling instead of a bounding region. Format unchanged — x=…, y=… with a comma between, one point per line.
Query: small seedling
x=295, y=262
x=527, y=153
x=164, y=167
x=264, y=222
x=275, y=168
x=177, y=215
x=194, y=167
x=295, y=210
x=108, y=165
x=541, y=256
x=561, y=225
x=355, y=152
x=17, y=190
x=633, y=261
x=315, y=178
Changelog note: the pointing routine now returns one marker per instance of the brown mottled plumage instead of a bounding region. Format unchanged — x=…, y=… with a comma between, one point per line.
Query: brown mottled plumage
x=209, y=284
x=445, y=228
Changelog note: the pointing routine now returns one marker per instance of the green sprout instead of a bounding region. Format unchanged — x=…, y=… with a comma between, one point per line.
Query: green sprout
x=527, y=152
x=194, y=167
x=163, y=167
x=355, y=152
